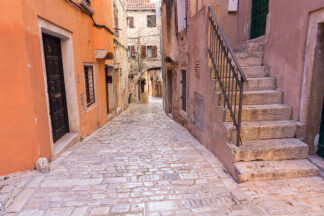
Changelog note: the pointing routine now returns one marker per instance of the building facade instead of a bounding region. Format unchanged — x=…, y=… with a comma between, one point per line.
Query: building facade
x=251, y=49
x=53, y=85
x=117, y=73
x=144, y=45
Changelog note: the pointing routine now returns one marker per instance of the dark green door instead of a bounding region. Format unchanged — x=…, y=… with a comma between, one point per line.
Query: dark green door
x=260, y=10
x=321, y=139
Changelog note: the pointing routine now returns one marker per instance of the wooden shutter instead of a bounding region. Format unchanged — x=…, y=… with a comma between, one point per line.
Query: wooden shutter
x=154, y=52
x=151, y=21
x=133, y=51
x=143, y=51
x=131, y=22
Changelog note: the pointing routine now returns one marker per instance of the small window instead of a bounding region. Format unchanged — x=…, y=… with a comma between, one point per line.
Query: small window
x=89, y=85
x=149, y=51
x=130, y=22
x=151, y=21
x=133, y=53
x=129, y=52
x=143, y=51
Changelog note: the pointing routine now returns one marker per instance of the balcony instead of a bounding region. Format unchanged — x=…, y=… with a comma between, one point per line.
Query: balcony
x=86, y=5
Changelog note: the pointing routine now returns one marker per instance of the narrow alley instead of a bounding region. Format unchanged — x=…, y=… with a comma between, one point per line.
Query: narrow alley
x=143, y=163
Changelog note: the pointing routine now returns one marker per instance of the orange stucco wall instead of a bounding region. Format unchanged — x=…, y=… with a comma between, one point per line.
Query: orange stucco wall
x=24, y=123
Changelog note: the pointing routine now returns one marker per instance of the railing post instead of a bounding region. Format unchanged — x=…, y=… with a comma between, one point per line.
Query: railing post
x=240, y=113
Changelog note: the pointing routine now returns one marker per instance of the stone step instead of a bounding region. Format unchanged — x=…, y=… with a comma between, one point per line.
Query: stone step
x=251, y=61
x=271, y=170
x=256, y=71
x=245, y=55
x=250, y=46
x=272, y=149
x=252, y=84
x=256, y=97
x=260, y=130
x=270, y=112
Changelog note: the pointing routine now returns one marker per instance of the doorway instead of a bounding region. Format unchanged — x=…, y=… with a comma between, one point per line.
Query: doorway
x=169, y=74
x=320, y=149
x=56, y=86
x=260, y=9
x=109, y=90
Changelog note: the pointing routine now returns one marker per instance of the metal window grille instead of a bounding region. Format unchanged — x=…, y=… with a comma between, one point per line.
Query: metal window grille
x=89, y=85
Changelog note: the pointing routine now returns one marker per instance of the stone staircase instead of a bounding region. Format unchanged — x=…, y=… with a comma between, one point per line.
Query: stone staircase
x=270, y=149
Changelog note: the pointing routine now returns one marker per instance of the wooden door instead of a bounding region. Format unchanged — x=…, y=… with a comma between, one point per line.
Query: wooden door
x=170, y=93
x=321, y=139
x=56, y=86
x=259, y=14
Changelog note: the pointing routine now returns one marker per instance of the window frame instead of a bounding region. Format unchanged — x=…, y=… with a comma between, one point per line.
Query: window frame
x=86, y=80
x=131, y=22
x=147, y=21
x=147, y=52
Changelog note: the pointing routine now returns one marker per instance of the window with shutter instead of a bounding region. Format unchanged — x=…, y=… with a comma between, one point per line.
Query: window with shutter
x=131, y=22
x=89, y=85
x=143, y=51
x=133, y=52
x=149, y=51
x=181, y=11
x=154, y=52
x=151, y=21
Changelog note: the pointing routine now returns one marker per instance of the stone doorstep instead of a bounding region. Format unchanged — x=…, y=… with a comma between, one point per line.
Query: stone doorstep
x=64, y=144
x=317, y=161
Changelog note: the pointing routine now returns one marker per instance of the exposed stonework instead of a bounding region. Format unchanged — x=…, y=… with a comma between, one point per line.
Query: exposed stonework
x=144, y=44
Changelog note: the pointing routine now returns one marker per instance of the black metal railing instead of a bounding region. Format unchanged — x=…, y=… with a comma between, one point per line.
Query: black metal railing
x=88, y=2
x=227, y=71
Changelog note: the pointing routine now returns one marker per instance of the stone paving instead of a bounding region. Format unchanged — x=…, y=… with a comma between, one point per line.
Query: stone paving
x=143, y=163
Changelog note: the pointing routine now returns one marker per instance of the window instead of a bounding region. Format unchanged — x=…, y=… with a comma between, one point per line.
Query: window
x=130, y=22
x=181, y=11
x=143, y=51
x=149, y=51
x=151, y=21
x=89, y=85
x=132, y=52
x=129, y=52
x=184, y=87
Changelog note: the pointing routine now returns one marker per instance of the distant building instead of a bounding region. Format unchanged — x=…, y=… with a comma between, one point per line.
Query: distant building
x=144, y=45
x=117, y=72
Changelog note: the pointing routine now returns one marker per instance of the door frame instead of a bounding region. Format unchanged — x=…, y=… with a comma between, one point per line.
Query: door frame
x=308, y=106
x=67, y=124
x=69, y=75
x=170, y=91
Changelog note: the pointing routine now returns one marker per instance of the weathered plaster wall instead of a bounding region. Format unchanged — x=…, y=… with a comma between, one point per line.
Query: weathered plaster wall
x=25, y=128
x=184, y=51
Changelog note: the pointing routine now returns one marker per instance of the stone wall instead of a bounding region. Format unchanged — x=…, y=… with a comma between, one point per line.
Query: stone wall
x=120, y=57
x=139, y=36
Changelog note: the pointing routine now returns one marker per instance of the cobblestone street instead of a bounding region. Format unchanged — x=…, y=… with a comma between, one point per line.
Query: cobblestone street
x=143, y=163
